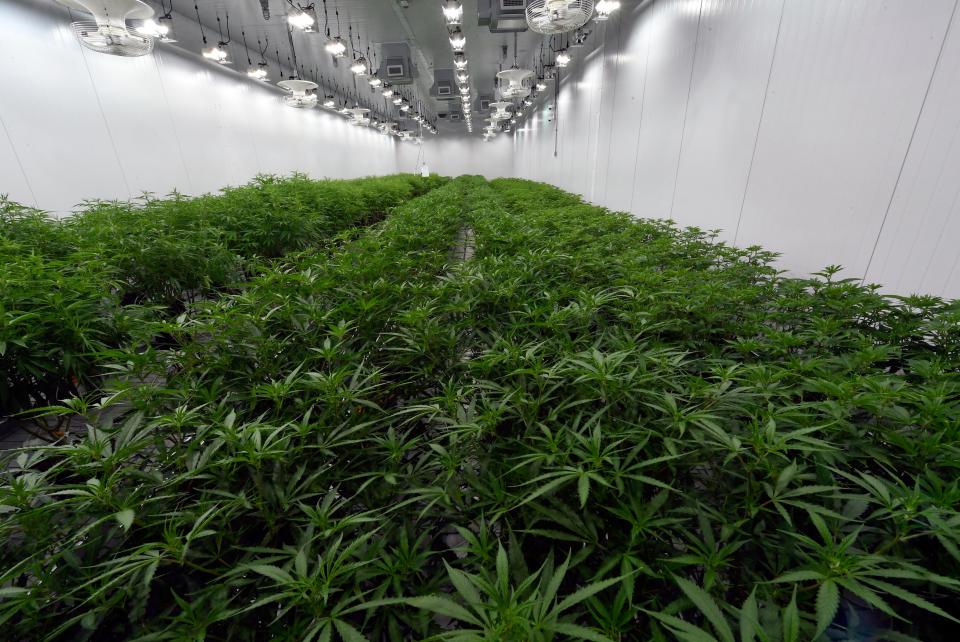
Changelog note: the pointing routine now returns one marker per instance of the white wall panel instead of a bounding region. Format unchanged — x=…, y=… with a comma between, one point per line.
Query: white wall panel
x=627, y=112
x=51, y=112
x=918, y=248
x=133, y=105
x=456, y=155
x=844, y=96
x=609, y=33
x=13, y=182
x=673, y=41
x=734, y=55
x=785, y=123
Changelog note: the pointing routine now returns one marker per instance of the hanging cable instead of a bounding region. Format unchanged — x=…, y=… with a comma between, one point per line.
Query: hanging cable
x=263, y=50
x=243, y=34
x=203, y=34
x=222, y=41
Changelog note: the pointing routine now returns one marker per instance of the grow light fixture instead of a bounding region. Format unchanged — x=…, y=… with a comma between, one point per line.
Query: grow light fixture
x=335, y=47
x=460, y=60
x=301, y=20
x=358, y=113
x=462, y=77
x=359, y=66
x=453, y=12
x=563, y=58
x=154, y=29
x=605, y=8
x=457, y=40
x=387, y=91
x=217, y=54
x=375, y=82
x=257, y=73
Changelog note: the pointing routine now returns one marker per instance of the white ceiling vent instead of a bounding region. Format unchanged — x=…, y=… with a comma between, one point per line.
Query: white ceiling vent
x=397, y=65
x=444, y=84
x=502, y=15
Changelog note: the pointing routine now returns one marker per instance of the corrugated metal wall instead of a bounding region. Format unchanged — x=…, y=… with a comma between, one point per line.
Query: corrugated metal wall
x=823, y=129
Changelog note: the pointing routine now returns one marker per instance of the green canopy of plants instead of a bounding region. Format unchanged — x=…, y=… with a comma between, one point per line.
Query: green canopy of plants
x=66, y=285
x=594, y=428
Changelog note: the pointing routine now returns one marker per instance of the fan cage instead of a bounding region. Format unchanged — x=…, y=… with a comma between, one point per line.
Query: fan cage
x=558, y=16
x=111, y=39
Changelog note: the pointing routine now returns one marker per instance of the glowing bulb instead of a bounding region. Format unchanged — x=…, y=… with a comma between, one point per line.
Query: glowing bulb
x=460, y=61
x=464, y=91
x=152, y=28
x=457, y=40
x=336, y=48
x=563, y=58
x=359, y=66
x=528, y=102
x=257, y=73
x=387, y=91
x=453, y=12
x=329, y=102
x=463, y=77
x=301, y=20
x=605, y=8
x=541, y=86
x=398, y=100
x=375, y=82
x=217, y=54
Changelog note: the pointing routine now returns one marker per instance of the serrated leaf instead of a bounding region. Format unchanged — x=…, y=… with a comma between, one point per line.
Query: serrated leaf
x=443, y=606
x=464, y=586
x=125, y=518
x=749, y=618
x=705, y=602
x=791, y=620
x=828, y=601
x=577, y=632
x=275, y=573
x=348, y=633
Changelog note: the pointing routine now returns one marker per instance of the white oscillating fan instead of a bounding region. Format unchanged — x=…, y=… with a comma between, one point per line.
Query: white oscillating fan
x=500, y=110
x=515, y=83
x=107, y=32
x=558, y=16
x=301, y=93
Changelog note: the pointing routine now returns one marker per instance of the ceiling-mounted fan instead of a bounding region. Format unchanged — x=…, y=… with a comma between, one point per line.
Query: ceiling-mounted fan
x=107, y=32
x=558, y=16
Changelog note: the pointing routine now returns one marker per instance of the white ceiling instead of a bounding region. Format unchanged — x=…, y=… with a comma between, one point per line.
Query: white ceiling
x=376, y=21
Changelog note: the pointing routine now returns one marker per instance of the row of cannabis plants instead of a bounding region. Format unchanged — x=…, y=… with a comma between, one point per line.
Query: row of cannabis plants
x=70, y=288
x=595, y=428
